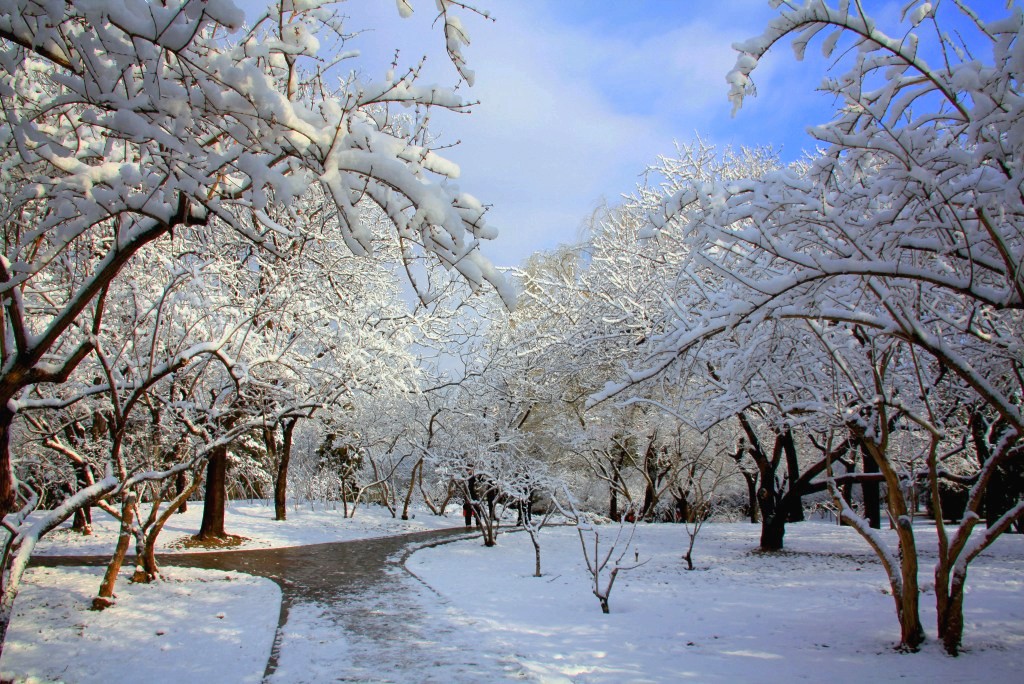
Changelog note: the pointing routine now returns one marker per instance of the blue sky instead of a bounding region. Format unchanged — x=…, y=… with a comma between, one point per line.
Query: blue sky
x=577, y=97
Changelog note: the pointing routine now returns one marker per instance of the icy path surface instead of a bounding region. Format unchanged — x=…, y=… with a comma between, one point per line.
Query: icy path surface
x=352, y=613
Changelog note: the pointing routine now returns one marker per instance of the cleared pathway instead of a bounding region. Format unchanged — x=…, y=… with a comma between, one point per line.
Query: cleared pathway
x=351, y=612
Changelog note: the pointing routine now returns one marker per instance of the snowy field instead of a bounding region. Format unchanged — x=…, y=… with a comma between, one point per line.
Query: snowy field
x=817, y=612
x=253, y=520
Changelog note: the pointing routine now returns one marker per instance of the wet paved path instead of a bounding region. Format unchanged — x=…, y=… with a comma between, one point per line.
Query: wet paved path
x=352, y=613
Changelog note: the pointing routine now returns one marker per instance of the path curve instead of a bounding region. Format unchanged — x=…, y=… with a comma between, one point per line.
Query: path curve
x=351, y=612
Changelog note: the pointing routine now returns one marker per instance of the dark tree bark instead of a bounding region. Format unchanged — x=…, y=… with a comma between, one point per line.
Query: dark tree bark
x=82, y=519
x=749, y=477
x=773, y=525
x=8, y=497
x=795, y=504
x=751, y=480
x=613, y=504
x=773, y=530
x=653, y=477
x=778, y=503
x=281, y=482
x=212, y=527
x=416, y=470
x=1006, y=486
x=180, y=482
x=872, y=492
x=615, y=483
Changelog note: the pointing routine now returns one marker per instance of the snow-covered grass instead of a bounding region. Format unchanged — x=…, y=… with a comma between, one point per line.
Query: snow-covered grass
x=818, y=611
x=198, y=626
x=254, y=520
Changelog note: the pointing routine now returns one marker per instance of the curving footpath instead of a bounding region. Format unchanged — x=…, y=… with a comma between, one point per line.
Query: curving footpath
x=351, y=612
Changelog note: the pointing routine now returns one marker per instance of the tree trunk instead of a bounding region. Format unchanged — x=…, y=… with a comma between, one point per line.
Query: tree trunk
x=483, y=509
x=650, y=501
x=82, y=521
x=795, y=507
x=180, y=482
x=652, y=479
x=8, y=496
x=212, y=527
x=281, y=483
x=773, y=529
x=412, y=484
x=150, y=570
x=905, y=588
x=751, y=480
x=773, y=521
x=872, y=493
x=907, y=605
x=952, y=620
x=536, y=550
x=106, y=594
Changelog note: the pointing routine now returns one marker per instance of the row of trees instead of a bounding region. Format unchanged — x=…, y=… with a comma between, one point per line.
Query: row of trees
x=191, y=208
x=853, y=319
x=204, y=224
x=869, y=297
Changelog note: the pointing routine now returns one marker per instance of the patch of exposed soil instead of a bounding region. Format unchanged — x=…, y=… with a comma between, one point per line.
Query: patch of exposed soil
x=230, y=541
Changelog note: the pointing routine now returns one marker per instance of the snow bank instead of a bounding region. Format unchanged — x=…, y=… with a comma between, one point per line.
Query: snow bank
x=197, y=626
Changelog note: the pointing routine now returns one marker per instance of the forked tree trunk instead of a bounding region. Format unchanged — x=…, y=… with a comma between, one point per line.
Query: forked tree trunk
x=773, y=521
x=486, y=519
x=795, y=504
x=956, y=554
x=149, y=570
x=82, y=521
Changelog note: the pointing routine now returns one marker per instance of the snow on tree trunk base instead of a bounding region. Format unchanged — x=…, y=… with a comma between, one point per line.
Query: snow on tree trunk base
x=102, y=602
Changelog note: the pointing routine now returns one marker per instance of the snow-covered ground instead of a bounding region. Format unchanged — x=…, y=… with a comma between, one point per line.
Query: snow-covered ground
x=819, y=611
x=254, y=520
x=198, y=626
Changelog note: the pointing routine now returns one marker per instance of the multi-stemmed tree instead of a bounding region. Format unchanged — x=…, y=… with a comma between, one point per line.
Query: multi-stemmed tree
x=904, y=233
x=123, y=123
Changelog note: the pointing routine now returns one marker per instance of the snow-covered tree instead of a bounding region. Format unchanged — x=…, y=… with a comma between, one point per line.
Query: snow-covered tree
x=906, y=230
x=126, y=122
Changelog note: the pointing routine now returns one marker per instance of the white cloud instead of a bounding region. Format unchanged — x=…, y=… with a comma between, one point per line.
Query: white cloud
x=573, y=106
